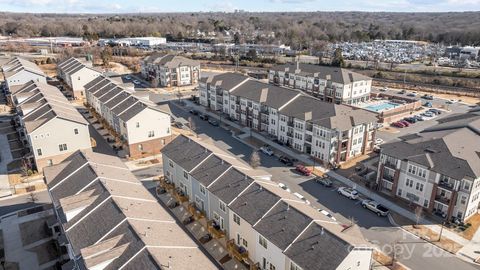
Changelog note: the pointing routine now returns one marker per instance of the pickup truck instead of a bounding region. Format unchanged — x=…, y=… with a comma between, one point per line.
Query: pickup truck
x=375, y=207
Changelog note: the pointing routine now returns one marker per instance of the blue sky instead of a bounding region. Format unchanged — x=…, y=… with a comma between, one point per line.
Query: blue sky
x=122, y=6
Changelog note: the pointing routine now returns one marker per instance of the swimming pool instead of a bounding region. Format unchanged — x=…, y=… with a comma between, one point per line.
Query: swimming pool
x=379, y=107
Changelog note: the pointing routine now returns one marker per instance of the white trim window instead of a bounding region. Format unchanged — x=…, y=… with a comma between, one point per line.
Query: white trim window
x=222, y=206
x=262, y=241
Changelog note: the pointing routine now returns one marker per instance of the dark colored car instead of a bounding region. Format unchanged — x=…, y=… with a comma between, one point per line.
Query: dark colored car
x=285, y=160
x=411, y=120
x=203, y=117
x=194, y=112
x=324, y=181
x=213, y=122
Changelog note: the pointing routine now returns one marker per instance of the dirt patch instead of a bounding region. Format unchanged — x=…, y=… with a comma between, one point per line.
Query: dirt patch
x=474, y=222
x=432, y=237
x=387, y=261
x=49, y=69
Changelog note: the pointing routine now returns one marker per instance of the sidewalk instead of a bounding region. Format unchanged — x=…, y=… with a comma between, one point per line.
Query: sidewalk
x=5, y=158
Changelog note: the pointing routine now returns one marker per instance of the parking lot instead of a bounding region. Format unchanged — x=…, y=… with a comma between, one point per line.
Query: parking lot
x=376, y=229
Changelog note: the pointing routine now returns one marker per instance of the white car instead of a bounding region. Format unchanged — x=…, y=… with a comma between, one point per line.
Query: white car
x=128, y=77
x=136, y=82
x=378, y=141
x=301, y=197
x=350, y=193
x=327, y=214
x=284, y=187
x=266, y=150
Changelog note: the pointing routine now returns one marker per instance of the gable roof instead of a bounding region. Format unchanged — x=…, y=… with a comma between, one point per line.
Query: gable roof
x=44, y=103
x=18, y=64
x=169, y=60
x=440, y=149
x=112, y=216
x=335, y=74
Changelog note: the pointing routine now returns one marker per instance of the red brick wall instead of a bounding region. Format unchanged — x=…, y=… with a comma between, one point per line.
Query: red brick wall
x=151, y=147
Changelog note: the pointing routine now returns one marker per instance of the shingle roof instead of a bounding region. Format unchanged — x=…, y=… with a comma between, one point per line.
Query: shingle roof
x=336, y=74
x=318, y=249
x=169, y=60
x=230, y=185
x=440, y=149
x=270, y=95
x=49, y=103
x=18, y=64
x=282, y=225
x=225, y=81
x=209, y=170
x=253, y=203
x=186, y=152
x=113, y=216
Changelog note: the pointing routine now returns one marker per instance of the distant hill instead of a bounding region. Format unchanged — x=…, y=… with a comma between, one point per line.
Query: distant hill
x=298, y=29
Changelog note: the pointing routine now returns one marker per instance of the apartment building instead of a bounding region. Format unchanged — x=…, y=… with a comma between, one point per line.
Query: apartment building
x=19, y=71
x=331, y=133
x=106, y=219
x=438, y=168
x=331, y=84
x=142, y=126
x=76, y=75
x=48, y=124
x=169, y=70
x=260, y=223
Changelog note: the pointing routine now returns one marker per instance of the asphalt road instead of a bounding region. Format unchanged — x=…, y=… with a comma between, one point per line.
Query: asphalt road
x=413, y=252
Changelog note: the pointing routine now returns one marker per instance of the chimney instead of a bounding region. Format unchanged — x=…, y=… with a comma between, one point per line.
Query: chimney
x=263, y=95
x=308, y=116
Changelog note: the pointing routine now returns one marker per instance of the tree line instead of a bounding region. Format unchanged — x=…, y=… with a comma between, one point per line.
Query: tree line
x=301, y=30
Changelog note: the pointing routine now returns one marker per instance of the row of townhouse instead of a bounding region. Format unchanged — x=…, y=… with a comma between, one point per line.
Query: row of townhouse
x=106, y=219
x=331, y=133
x=19, y=71
x=47, y=124
x=169, y=70
x=76, y=75
x=266, y=226
x=143, y=127
x=331, y=84
x=438, y=168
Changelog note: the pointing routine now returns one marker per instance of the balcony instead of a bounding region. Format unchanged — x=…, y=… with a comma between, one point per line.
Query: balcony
x=390, y=165
x=166, y=184
x=180, y=196
x=446, y=185
x=290, y=123
x=214, y=229
x=195, y=212
x=290, y=134
x=442, y=199
x=388, y=177
x=239, y=253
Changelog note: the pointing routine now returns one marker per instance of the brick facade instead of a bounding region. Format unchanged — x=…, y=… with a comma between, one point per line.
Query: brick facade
x=152, y=147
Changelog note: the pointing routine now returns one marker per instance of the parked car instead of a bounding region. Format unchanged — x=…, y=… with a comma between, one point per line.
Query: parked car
x=402, y=92
x=383, y=89
x=301, y=197
x=428, y=104
x=419, y=118
x=435, y=111
x=136, y=82
x=194, y=112
x=350, y=193
x=203, y=116
x=128, y=77
x=379, y=141
x=213, y=122
x=411, y=120
x=327, y=214
x=427, y=114
x=266, y=150
x=411, y=95
x=286, y=160
x=303, y=170
x=375, y=207
x=427, y=97
x=398, y=125
x=405, y=123
x=324, y=181
x=284, y=187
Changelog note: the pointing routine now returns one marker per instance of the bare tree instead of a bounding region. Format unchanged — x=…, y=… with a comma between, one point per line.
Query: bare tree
x=154, y=82
x=418, y=215
x=255, y=160
x=32, y=197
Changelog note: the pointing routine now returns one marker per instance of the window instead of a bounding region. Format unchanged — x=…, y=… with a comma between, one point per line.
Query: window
x=151, y=133
x=185, y=174
x=140, y=147
x=138, y=124
x=62, y=147
x=39, y=152
x=463, y=199
x=202, y=189
x=262, y=241
x=236, y=219
x=170, y=163
x=223, y=206
x=244, y=243
x=466, y=185
x=75, y=131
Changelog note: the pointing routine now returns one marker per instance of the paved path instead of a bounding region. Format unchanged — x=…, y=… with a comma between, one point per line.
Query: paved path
x=5, y=158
